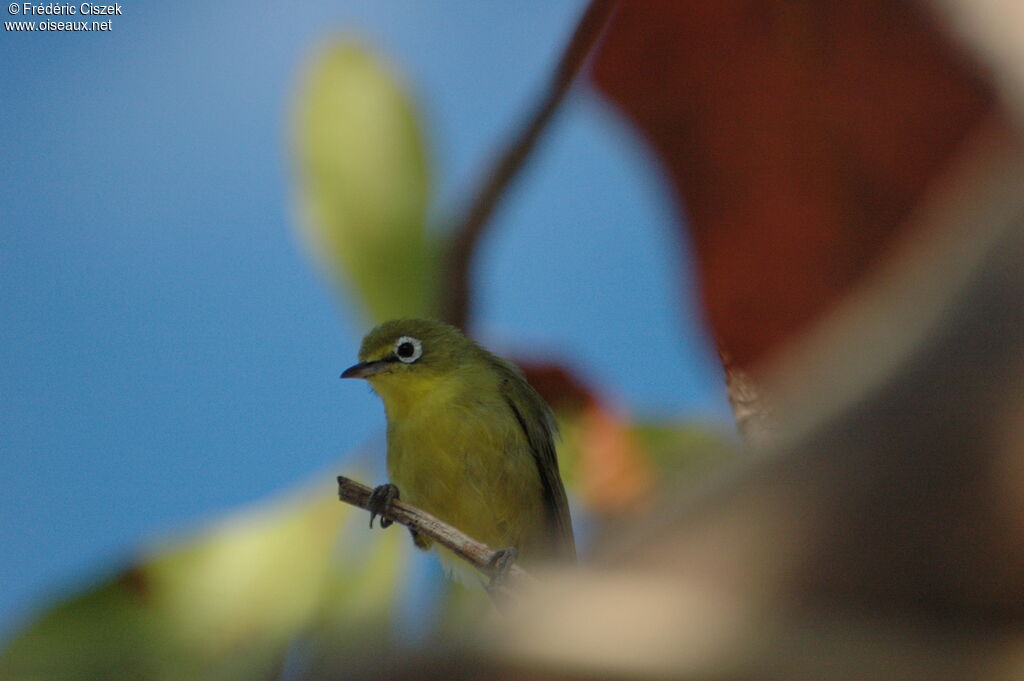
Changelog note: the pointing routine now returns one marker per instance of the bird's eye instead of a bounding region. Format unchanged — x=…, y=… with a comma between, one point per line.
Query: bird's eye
x=408, y=349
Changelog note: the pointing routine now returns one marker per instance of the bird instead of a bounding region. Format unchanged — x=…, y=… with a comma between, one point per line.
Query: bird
x=469, y=441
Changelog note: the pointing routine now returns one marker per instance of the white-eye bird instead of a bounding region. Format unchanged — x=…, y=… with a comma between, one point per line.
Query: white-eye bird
x=468, y=440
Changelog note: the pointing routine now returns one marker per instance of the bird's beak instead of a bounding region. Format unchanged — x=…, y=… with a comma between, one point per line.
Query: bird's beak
x=365, y=369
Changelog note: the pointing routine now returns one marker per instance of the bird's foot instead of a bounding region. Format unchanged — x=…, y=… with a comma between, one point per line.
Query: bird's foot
x=380, y=502
x=499, y=564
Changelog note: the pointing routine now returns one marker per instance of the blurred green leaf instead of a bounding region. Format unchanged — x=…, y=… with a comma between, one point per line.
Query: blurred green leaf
x=363, y=181
x=682, y=450
x=612, y=464
x=223, y=605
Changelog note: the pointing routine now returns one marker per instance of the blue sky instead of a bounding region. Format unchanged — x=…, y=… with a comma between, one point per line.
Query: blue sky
x=170, y=352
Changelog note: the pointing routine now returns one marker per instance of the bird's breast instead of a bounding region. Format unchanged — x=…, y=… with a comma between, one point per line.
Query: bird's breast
x=465, y=459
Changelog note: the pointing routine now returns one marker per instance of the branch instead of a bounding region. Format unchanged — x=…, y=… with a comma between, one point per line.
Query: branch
x=510, y=161
x=750, y=405
x=473, y=552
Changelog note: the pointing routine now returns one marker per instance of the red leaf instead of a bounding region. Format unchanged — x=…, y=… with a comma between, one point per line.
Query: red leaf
x=799, y=136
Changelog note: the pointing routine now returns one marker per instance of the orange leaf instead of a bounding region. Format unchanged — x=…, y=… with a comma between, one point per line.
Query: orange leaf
x=613, y=469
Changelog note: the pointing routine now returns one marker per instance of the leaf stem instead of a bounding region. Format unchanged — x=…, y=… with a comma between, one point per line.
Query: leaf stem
x=456, y=301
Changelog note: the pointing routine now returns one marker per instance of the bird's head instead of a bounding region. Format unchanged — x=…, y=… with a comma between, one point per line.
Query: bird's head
x=406, y=356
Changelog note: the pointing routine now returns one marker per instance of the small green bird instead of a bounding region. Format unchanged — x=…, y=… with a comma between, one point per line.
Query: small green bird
x=469, y=441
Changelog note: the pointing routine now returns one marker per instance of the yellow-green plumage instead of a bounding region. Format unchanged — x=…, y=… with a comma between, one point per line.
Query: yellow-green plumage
x=468, y=439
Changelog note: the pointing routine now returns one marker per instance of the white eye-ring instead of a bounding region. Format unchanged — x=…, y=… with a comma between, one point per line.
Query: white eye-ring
x=408, y=349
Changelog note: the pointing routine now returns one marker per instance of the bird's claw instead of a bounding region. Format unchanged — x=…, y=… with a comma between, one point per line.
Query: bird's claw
x=379, y=503
x=500, y=563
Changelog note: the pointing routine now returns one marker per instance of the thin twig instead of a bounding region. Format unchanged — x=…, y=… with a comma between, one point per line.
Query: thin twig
x=475, y=553
x=456, y=300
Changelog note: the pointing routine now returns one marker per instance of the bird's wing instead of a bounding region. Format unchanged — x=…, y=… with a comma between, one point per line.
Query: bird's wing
x=539, y=427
